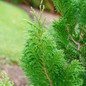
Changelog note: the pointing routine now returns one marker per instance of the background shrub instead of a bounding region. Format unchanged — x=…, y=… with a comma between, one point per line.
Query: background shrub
x=35, y=3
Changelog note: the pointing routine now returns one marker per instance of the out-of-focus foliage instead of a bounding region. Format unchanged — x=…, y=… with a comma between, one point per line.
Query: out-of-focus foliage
x=35, y=3
x=4, y=80
x=47, y=3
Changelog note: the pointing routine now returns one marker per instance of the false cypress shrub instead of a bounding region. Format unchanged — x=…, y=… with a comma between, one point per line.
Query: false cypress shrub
x=55, y=59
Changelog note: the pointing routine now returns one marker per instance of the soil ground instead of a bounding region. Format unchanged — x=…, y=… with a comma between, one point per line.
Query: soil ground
x=16, y=75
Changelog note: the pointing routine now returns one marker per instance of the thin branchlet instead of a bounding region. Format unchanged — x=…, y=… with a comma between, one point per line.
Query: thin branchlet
x=77, y=43
x=46, y=73
x=40, y=34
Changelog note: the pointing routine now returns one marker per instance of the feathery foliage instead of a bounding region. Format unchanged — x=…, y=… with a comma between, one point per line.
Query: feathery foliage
x=43, y=59
x=71, y=30
x=71, y=27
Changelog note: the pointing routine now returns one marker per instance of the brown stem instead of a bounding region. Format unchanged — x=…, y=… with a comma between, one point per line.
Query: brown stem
x=47, y=74
x=80, y=58
x=79, y=47
x=72, y=37
x=83, y=45
x=48, y=77
x=78, y=44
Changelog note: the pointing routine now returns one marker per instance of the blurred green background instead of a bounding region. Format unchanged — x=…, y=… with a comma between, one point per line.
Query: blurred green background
x=12, y=31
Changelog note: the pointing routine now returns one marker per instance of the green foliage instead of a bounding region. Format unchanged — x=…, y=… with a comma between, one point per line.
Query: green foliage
x=43, y=59
x=72, y=35
x=4, y=81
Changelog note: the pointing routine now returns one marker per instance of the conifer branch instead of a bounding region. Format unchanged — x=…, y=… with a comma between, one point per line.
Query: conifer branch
x=61, y=10
x=40, y=34
x=78, y=44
